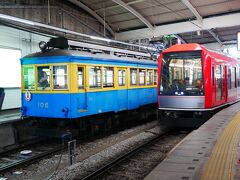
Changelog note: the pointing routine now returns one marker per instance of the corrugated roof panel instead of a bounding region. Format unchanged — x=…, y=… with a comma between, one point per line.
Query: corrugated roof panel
x=219, y=8
x=121, y=17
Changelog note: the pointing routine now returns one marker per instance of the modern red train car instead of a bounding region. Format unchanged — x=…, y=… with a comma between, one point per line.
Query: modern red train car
x=193, y=81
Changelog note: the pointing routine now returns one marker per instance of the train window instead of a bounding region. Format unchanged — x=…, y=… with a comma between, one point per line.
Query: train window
x=43, y=77
x=28, y=77
x=60, y=77
x=122, y=77
x=80, y=78
x=133, y=76
x=213, y=75
x=239, y=77
x=181, y=74
x=95, y=77
x=229, y=79
x=155, y=77
x=108, y=77
x=219, y=82
x=142, y=75
x=234, y=77
x=149, y=77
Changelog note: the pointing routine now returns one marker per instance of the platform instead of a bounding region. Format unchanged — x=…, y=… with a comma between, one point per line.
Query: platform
x=9, y=116
x=210, y=152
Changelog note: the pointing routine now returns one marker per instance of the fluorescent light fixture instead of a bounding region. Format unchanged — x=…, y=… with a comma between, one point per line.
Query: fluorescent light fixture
x=24, y=21
x=100, y=38
x=238, y=41
x=36, y=24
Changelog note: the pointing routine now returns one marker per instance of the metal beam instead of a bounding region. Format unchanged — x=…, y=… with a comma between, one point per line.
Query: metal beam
x=115, y=6
x=193, y=10
x=94, y=14
x=133, y=11
x=182, y=27
x=181, y=39
x=200, y=20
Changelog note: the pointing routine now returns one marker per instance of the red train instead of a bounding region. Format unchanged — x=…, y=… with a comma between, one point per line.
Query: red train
x=194, y=81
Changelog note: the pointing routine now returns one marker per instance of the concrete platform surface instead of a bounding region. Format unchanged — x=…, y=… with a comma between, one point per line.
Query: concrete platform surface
x=210, y=152
x=9, y=116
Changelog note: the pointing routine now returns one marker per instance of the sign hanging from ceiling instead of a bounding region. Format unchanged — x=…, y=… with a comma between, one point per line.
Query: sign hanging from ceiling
x=238, y=41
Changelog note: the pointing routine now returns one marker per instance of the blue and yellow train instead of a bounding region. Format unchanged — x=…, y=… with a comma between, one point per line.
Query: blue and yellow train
x=63, y=83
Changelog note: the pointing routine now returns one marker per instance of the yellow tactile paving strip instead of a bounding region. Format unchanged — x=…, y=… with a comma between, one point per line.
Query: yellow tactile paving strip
x=223, y=158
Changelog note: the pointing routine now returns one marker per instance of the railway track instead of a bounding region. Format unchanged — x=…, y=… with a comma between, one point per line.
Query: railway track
x=14, y=159
x=138, y=162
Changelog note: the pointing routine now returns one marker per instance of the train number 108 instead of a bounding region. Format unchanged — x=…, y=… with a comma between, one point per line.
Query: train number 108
x=42, y=105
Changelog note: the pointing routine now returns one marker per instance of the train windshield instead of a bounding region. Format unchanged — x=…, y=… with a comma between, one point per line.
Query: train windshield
x=181, y=74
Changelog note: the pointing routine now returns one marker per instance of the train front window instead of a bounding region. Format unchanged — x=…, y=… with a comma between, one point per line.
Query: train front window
x=60, y=77
x=28, y=77
x=181, y=74
x=43, y=77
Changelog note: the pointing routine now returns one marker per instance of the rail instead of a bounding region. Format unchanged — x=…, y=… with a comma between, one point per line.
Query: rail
x=118, y=160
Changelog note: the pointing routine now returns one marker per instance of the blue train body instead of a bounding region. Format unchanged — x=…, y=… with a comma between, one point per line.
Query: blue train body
x=77, y=73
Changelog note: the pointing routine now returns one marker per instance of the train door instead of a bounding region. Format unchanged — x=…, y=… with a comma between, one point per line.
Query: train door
x=122, y=98
x=225, y=83
x=82, y=95
x=220, y=92
x=214, y=102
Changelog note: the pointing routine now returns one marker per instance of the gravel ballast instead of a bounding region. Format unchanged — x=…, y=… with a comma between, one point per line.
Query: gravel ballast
x=88, y=155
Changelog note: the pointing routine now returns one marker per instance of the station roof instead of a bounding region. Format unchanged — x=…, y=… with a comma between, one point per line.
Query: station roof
x=215, y=20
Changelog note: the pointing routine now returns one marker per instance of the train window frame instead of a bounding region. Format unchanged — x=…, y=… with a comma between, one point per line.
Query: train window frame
x=131, y=77
x=49, y=78
x=96, y=86
x=155, y=76
x=178, y=78
x=123, y=78
x=83, y=77
x=219, y=82
x=148, y=82
x=238, y=84
x=213, y=76
x=34, y=77
x=229, y=78
x=235, y=77
x=105, y=84
x=144, y=71
x=54, y=87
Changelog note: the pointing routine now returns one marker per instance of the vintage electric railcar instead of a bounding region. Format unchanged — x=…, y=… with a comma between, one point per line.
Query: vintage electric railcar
x=65, y=84
x=193, y=81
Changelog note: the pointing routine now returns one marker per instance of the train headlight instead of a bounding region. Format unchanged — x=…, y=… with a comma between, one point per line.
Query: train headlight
x=28, y=96
x=42, y=45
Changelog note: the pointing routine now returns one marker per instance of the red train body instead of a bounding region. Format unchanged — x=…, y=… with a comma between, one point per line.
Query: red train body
x=193, y=80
